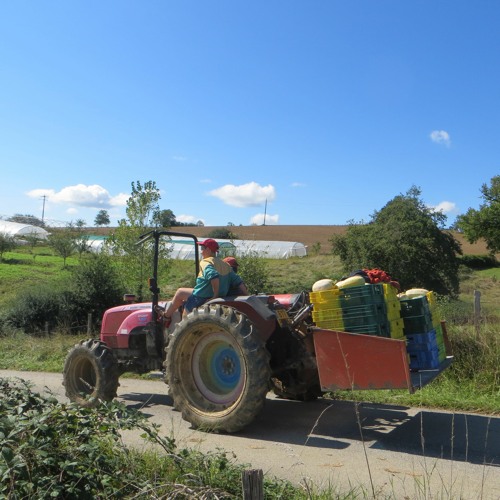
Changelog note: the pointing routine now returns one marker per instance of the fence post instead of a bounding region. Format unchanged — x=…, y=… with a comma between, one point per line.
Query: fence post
x=47, y=331
x=477, y=310
x=89, y=324
x=253, y=484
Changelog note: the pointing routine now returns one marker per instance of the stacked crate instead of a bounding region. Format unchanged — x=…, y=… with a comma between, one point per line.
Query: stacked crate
x=424, y=335
x=371, y=309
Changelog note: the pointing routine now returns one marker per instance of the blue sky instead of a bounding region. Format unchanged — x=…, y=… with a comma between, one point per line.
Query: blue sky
x=310, y=112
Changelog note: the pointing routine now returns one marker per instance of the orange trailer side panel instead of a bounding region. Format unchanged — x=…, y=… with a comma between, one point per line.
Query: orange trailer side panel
x=354, y=361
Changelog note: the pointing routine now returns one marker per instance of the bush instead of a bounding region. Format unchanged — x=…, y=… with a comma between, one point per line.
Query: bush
x=253, y=271
x=32, y=309
x=479, y=261
x=55, y=450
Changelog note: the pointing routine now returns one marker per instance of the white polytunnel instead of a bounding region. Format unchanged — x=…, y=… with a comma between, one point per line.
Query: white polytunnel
x=183, y=248
x=18, y=230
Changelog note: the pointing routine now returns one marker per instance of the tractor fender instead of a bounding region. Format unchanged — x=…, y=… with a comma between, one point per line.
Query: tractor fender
x=256, y=309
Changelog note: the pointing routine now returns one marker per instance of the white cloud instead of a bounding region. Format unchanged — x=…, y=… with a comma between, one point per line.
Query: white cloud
x=447, y=207
x=188, y=219
x=179, y=158
x=440, y=137
x=298, y=184
x=269, y=220
x=245, y=195
x=94, y=196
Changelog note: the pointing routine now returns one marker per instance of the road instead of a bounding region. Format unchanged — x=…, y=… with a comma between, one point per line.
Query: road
x=396, y=450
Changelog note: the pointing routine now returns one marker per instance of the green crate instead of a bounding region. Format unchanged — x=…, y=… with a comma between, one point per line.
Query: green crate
x=415, y=307
x=418, y=324
x=362, y=295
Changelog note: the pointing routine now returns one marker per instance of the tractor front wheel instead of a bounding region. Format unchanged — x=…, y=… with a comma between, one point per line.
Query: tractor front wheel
x=217, y=369
x=90, y=373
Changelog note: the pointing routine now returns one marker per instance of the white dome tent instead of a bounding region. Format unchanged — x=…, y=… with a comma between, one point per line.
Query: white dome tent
x=18, y=230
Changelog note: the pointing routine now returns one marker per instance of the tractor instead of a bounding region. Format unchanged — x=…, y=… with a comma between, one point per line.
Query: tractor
x=221, y=360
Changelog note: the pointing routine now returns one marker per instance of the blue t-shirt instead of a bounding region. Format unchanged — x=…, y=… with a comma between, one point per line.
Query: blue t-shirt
x=211, y=268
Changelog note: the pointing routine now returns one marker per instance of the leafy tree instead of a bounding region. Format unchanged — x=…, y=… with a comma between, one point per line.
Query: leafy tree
x=136, y=260
x=27, y=219
x=405, y=239
x=80, y=236
x=95, y=286
x=223, y=233
x=165, y=218
x=253, y=272
x=485, y=222
x=63, y=243
x=7, y=243
x=32, y=239
x=102, y=218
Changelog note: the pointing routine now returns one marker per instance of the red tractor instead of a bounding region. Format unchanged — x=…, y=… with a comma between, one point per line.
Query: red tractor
x=222, y=359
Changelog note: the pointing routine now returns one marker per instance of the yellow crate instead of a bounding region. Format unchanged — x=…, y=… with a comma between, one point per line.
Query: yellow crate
x=331, y=324
x=390, y=292
x=327, y=314
x=393, y=309
x=324, y=296
x=397, y=329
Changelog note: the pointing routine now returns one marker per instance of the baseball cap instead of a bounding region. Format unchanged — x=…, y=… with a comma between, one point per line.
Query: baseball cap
x=209, y=243
x=231, y=261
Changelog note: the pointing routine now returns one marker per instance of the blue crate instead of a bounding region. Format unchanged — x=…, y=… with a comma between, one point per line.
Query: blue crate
x=424, y=360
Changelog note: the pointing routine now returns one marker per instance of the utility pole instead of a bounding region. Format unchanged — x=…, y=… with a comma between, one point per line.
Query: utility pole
x=265, y=212
x=44, y=197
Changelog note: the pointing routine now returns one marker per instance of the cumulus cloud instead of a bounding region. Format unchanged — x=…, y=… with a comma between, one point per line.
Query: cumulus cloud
x=245, y=195
x=440, y=137
x=269, y=220
x=447, y=207
x=188, y=219
x=80, y=195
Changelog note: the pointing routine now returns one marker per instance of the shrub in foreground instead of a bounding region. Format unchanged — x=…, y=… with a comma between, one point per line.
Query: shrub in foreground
x=55, y=450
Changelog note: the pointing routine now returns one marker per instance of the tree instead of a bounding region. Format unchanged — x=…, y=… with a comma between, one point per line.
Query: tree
x=7, y=243
x=95, y=287
x=485, y=222
x=165, y=218
x=32, y=239
x=27, y=219
x=102, y=218
x=63, y=243
x=80, y=236
x=136, y=260
x=405, y=239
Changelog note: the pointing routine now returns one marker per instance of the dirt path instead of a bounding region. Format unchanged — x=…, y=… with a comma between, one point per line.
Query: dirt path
x=322, y=442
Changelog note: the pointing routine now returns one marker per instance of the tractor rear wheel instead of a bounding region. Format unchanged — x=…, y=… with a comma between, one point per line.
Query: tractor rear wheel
x=217, y=369
x=90, y=373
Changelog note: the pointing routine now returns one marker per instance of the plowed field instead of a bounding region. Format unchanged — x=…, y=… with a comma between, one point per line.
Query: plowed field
x=309, y=235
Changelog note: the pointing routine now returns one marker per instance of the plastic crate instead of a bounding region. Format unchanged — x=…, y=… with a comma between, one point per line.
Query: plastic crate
x=327, y=314
x=362, y=295
x=325, y=299
x=396, y=327
x=331, y=324
x=422, y=342
x=393, y=309
x=428, y=360
x=418, y=324
x=377, y=329
x=414, y=307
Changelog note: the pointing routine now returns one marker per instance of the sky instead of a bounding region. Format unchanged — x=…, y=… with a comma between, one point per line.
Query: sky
x=276, y=112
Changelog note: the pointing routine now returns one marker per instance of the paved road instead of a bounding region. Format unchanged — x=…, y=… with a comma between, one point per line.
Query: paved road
x=401, y=451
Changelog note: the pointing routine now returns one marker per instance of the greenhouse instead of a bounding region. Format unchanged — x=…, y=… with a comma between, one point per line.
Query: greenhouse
x=20, y=231
x=183, y=248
